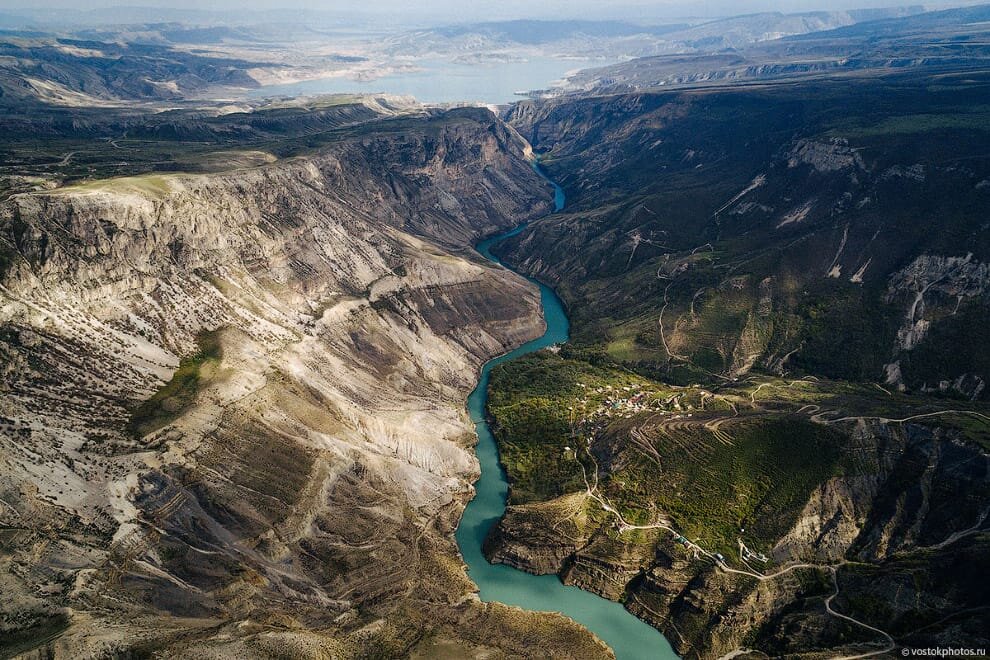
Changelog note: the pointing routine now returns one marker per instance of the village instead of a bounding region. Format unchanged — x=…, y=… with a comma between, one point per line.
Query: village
x=605, y=403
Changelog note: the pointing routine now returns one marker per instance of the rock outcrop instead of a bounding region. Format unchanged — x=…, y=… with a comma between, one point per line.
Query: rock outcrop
x=915, y=495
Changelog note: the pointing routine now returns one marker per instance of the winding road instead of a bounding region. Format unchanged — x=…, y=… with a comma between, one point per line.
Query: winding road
x=624, y=526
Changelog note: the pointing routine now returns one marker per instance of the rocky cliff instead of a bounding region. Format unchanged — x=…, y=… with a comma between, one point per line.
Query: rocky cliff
x=891, y=537
x=233, y=404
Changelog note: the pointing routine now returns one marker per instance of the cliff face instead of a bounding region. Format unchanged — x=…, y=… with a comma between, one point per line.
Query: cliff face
x=238, y=398
x=896, y=528
x=898, y=515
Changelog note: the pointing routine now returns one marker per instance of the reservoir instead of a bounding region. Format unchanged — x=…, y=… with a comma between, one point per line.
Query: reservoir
x=629, y=637
x=442, y=81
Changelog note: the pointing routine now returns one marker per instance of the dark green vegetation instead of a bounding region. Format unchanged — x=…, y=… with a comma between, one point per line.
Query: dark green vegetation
x=790, y=249
x=539, y=403
x=69, y=145
x=713, y=490
x=179, y=393
x=847, y=332
x=796, y=274
x=757, y=475
x=744, y=456
x=956, y=345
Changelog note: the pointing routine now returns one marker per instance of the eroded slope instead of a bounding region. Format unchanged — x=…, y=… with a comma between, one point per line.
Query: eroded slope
x=294, y=485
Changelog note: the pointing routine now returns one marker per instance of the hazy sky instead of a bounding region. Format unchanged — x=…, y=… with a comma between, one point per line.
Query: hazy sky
x=467, y=10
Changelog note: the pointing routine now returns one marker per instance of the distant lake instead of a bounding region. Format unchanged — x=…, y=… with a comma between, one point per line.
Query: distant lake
x=441, y=81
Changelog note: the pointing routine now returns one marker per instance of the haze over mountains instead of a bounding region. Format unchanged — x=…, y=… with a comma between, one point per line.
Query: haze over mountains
x=393, y=13
x=238, y=329
x=175, y=61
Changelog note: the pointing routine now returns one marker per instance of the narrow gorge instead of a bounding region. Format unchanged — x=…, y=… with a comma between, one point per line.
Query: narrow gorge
x=520, y=585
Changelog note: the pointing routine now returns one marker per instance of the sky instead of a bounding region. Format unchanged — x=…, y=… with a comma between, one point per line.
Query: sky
x=458, y=10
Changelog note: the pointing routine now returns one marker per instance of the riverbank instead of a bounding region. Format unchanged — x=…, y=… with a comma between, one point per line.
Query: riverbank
x=629, y=637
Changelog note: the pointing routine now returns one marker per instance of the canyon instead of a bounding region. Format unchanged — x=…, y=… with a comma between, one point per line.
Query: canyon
x=307, y=332
x=238, y=335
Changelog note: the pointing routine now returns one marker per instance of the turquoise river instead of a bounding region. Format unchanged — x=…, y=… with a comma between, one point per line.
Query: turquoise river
x=629, y=637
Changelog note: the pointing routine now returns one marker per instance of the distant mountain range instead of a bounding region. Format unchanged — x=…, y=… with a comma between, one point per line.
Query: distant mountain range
x=631, y=39
x=954, y=37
